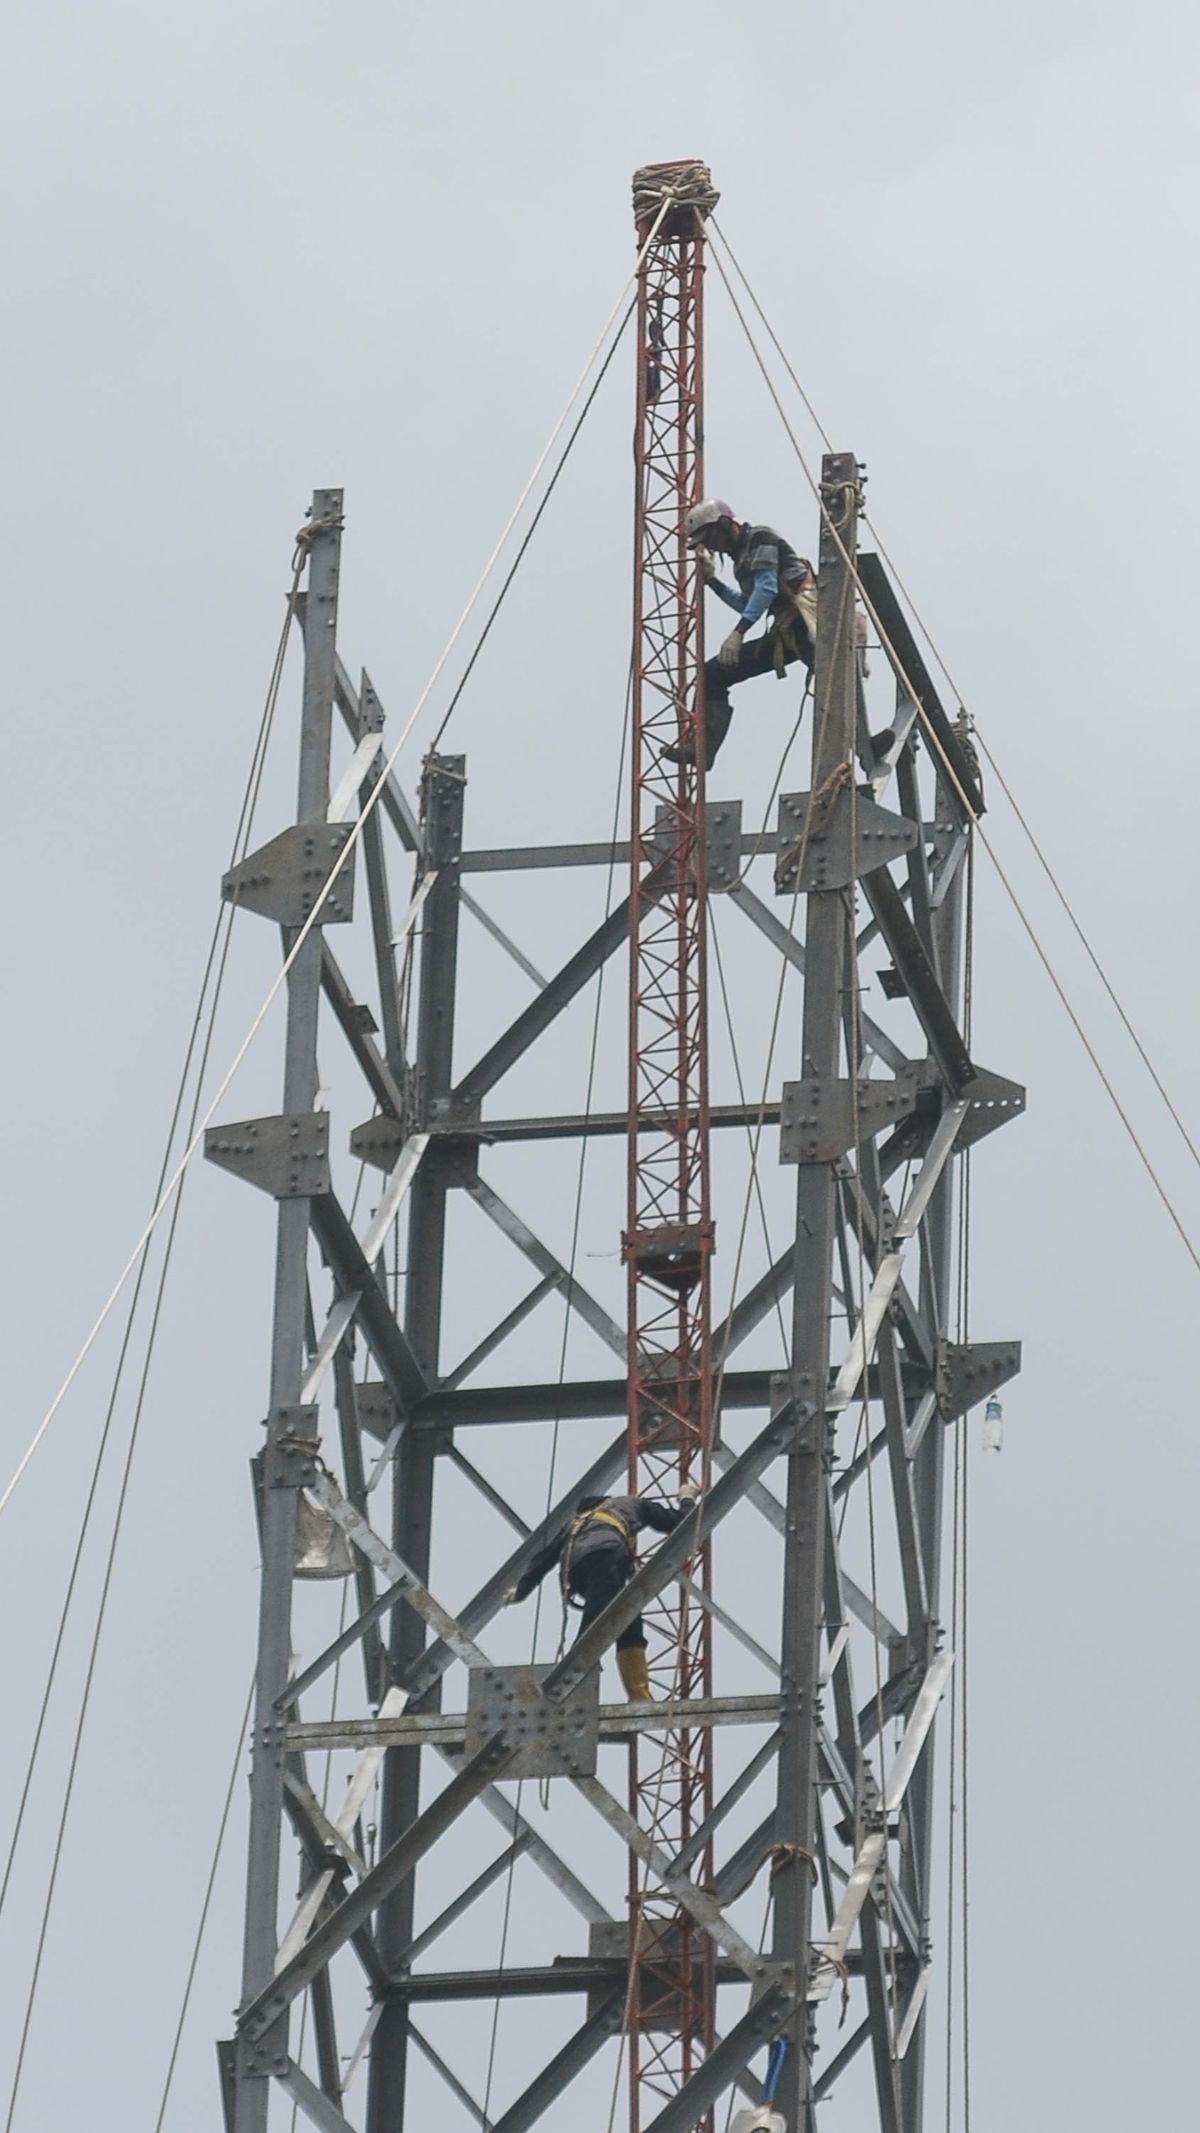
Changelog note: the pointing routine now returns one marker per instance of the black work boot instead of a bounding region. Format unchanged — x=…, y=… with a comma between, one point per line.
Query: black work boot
x=717, y=713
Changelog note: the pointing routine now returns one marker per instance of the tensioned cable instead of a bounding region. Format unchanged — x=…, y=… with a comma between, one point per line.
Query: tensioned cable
x=706, y=1468
x=962, y=1458
x=753, y=1187
x=965, y=1217
x=760, y=841
x=458, y=692
x=205, y=1905
x=800, y=860
x=954, y=1844
x=534, y=523
x=817, y=423
x=1060, y=893
x=224, y=923
x=773, y=1039
x=325, y=1783
x=993, y=765
x=754, y=1132
x=960, y=1475
x=568, y=1312
x=641, y=1879
x=568, y=1307
x=934, y=742
x=637, y=1903
x=966, y=1800
x=641, y=1887
x=741, y=1089
x=952, y=1781
x=322, y=897
x=222, y=1829
x=855, y=1047
x=753, y=1138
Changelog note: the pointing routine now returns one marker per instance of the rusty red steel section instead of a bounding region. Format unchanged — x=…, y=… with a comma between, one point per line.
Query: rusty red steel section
x=668, y=1240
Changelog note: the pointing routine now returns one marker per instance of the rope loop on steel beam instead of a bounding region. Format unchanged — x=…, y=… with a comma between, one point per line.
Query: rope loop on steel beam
x=847, y=494
x=332, y=522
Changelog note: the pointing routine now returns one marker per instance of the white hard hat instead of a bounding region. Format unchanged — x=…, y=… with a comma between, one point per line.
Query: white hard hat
x=703, y=515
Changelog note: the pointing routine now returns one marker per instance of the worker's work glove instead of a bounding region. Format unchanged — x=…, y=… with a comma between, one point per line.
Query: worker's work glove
x=510, y=1597
x=709, y=571
x=731, y=650
x=690, y=1492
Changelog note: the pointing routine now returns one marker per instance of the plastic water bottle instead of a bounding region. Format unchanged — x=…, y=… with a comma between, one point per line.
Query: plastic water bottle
x=993, y=1425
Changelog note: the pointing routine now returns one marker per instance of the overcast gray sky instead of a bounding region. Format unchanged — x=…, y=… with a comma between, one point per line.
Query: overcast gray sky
x=261, y=248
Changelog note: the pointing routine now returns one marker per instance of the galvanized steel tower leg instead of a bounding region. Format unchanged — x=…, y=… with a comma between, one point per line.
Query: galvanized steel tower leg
x=256, y=2062
x=412, y=1501
x=828, y=947
x=948, y=928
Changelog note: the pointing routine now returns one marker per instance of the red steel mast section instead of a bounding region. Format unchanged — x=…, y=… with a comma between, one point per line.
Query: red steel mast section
x=669, y=1238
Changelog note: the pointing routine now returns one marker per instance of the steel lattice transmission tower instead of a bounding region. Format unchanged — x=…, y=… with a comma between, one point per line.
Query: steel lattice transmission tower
x=777, y=1770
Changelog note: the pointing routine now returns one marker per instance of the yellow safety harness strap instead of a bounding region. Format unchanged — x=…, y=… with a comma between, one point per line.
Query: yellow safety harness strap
x=605, y=1518
x=576, y=1527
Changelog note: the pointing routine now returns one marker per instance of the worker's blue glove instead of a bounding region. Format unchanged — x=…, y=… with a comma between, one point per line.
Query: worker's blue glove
x=731, y=650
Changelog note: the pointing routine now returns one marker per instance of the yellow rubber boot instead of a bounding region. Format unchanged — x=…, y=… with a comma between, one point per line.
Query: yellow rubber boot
x=631, y=1665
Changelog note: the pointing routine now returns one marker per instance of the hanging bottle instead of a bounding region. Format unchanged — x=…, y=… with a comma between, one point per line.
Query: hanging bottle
x=993, y=1425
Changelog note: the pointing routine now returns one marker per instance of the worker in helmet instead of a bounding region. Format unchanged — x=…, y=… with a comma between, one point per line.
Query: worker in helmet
x=772, y=580
x=596, y=1552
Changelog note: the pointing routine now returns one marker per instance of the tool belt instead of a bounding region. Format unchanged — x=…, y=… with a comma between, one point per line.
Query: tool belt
x=790, y=611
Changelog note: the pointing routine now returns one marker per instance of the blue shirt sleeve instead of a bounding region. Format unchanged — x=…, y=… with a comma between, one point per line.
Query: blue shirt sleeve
x=764, y=589
x=728, y=593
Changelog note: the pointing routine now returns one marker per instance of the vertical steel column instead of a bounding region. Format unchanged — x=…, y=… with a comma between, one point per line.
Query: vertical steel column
x=668, y=1240
x=929, y=1471
x=443, y=790
x=256, y=2063
x=829, y=963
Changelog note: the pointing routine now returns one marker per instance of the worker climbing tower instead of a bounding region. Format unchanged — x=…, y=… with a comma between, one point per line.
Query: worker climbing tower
x=669, y=1237
x=511, y=1889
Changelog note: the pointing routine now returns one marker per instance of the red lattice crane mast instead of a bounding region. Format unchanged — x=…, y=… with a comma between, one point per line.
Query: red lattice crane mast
x=669, y=1236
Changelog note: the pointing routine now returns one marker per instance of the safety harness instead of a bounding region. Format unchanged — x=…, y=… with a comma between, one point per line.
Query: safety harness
x=605, y=1517
x=787, y=610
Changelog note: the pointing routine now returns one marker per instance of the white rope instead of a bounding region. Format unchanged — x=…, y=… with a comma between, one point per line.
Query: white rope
x=987, y=752
x=934, y=744
x=372, y=801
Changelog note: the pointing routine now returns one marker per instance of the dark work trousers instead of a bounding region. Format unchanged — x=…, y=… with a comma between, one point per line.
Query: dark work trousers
x=757, y=656
x=598, y=1578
